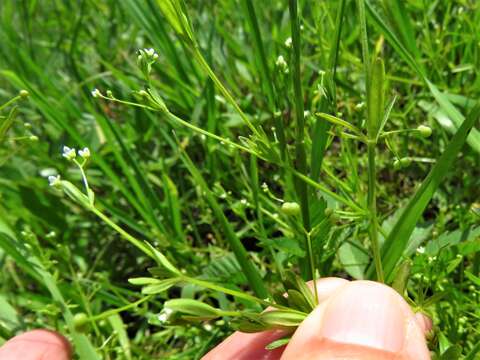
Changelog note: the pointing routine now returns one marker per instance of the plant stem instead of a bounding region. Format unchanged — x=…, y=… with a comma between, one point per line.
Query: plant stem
x=204, y=64
x=228, y=291
x=372, y=207
x=137, y=243
x=111, y=312
x=300, y=154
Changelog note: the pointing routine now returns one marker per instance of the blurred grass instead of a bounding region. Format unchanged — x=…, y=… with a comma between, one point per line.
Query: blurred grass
x=60, y=51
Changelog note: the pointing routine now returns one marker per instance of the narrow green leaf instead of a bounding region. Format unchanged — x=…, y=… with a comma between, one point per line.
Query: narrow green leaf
x=282, y=318
x=278, y=343
x=191, y=307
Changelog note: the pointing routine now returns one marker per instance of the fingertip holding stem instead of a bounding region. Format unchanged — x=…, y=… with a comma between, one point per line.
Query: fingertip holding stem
x=354, y=320
x=362, y=320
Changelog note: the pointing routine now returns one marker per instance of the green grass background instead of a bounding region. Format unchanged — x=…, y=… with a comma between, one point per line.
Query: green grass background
x=189, y=195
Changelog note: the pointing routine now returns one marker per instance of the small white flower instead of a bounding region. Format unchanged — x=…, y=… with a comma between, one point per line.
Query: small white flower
x=360, y=105
x=288, y=42
x=163, y=317
x=281, y=62
x=150, y=53
x=54, y=180
x=96, y=93
x=244, y=201
x=69, y=153
x=421, y=250
x=84, y=153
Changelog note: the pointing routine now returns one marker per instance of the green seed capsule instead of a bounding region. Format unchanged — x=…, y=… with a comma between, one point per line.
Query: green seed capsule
x=291, y=208
x=23, y=93
x=402, y=163
x=80, y=322
x=425, y=131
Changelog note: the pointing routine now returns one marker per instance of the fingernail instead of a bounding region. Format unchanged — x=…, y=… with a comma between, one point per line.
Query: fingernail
x=365, y=313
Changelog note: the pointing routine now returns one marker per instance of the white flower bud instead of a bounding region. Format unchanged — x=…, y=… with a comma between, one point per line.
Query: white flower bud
x=54, y=180
x=84, y=153
x=69, y=153
x=96, y=93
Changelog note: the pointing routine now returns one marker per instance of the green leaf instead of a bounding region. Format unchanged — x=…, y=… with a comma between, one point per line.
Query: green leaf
x=161, y=286
x=449, y=239
x=278, y=343
x=248, y=325
x=452, y=353
x=398, y=238
x=472, y=278
x=143, y=281
x=163, y=261
x=282, y=318
x=192, y=307
x=118, y=327
x=354, y=258
x=401, y=279
x=298, y=302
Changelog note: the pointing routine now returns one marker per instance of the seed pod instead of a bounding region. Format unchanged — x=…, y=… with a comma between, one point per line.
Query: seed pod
x=425, y=131
x=402, y=163
x=23, y=94
x=290, y=208
x=80, y=321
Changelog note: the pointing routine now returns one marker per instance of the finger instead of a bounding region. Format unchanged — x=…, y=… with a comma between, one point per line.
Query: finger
x=36, y=345
x=424, y=322
x=362, y=320
x=242, y=346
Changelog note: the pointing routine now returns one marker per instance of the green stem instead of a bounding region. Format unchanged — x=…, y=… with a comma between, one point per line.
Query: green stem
x=228, y=291
x=9, y=102
x=137, y=243
x=111, y=312
x=209, y=134
x=204, y=64
x=300, y=154
x=372, y=207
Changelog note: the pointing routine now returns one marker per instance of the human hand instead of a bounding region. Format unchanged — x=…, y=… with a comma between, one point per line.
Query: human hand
x=361, y=320
x=36, y=345
x=354, y=320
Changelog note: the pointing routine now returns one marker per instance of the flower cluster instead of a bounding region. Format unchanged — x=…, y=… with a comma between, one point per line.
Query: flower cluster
x=70, y=153
x=145, y=60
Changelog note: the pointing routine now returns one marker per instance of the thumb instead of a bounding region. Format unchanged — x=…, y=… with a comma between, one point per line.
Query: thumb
x=36, y=345
x=362, y=320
